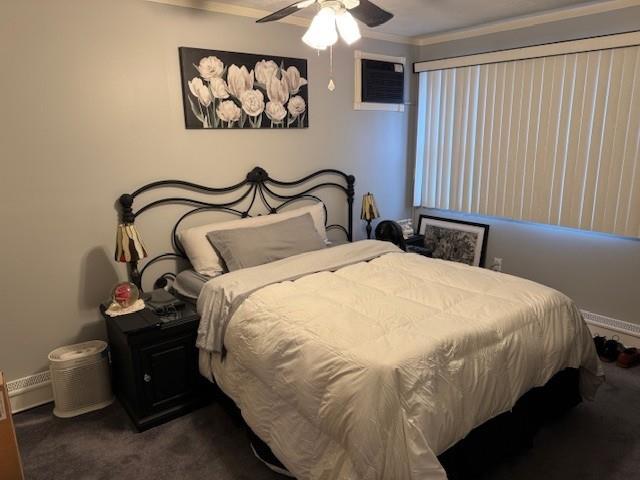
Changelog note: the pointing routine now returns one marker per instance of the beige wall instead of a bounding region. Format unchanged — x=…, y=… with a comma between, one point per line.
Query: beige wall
x=601, y=273
x=92, y=108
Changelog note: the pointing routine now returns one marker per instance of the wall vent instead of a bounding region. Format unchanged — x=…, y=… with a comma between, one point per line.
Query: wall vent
x=614, y=324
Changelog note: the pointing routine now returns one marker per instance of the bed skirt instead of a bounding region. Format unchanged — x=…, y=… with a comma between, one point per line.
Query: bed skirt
x=511, y=432
x=491, y=442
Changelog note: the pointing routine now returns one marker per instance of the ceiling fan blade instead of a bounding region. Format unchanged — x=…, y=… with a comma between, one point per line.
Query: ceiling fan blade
x=285, y=12
x=370, y=14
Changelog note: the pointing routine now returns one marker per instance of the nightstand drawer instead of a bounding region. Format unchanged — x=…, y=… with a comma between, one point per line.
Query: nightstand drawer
x=167, y=372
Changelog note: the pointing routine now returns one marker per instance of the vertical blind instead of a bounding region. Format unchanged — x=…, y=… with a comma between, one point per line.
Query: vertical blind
x=552, y=140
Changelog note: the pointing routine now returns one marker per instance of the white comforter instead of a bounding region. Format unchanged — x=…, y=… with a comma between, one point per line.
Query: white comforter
x=371, y=370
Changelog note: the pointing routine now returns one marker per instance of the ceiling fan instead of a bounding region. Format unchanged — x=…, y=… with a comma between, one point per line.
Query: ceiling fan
x=322, y=32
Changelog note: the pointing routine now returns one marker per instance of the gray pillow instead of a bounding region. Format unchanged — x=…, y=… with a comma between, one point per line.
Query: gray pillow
x=251, y=246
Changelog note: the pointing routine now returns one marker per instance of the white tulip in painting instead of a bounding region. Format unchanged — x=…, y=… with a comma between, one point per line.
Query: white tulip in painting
x=239, y=80
x=277, y=89
x=253, y=105
x=235, y=90
x=265, y=69
x=294, y=80
x=276, y=113
x=210, y=67
x=228, y=112
x=200, y=91
x=219, y=88
x=297, y=108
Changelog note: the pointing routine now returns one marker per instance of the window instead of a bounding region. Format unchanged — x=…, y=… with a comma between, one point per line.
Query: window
x=553, y=139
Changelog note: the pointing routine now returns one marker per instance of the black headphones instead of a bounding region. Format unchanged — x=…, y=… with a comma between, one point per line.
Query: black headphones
x=390, y=231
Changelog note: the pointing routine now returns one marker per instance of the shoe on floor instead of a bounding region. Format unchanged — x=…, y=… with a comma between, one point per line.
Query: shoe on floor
x=599, y=343
x=612, y=348
x=629, y=357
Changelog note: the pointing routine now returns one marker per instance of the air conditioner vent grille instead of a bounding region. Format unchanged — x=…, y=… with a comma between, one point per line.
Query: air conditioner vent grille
x=382, y=82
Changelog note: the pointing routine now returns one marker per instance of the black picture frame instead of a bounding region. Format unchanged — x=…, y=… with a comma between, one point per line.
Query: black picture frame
x=215, y=82
x=439, y=243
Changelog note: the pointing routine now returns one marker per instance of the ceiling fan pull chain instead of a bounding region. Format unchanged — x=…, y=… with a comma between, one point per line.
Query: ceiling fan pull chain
x=332, y=85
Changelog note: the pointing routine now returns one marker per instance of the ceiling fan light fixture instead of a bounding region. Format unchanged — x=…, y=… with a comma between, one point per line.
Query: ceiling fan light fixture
x=322, y=32
x=348, y=27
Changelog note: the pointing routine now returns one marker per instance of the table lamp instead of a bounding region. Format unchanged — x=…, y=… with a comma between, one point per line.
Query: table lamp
x=130, y=250
x=369, y=211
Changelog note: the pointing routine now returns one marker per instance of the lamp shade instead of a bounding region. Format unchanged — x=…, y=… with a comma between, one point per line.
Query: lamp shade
x=322, y=32
x=129, y=246
x=369, y=208
x=348, y=27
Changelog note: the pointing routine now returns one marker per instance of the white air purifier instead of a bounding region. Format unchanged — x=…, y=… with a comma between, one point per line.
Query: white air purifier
x=80, y=378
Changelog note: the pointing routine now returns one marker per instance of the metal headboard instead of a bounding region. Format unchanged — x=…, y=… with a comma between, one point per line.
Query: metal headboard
x=257, y=184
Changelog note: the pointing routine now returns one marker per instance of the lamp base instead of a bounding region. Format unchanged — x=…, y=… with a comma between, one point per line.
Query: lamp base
x=136, y=279
x=368, y=229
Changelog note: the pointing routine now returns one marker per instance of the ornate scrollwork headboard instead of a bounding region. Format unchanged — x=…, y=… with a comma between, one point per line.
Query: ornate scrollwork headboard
x=257, y=188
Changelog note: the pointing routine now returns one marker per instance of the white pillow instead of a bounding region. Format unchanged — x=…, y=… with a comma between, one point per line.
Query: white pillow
x=204, y=258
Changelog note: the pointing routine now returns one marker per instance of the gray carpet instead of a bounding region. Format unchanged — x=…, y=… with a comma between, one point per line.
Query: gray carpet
x=594, y=441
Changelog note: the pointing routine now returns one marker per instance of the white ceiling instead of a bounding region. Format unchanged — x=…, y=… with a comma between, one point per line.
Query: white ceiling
x=423, y=17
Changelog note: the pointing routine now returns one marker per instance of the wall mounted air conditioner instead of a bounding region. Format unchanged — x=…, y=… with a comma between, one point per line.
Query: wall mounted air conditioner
x=379, y=82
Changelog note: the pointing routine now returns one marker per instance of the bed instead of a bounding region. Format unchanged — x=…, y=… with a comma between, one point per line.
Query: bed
x=364, y=362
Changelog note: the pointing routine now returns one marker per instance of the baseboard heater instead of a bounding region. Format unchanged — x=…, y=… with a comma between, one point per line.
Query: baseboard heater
x=29, y=392
x=613, y=324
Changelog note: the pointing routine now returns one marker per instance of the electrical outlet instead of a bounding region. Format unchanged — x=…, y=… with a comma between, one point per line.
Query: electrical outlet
x=497, y=264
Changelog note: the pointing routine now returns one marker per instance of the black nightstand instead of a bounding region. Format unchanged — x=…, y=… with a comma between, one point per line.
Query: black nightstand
x=415, y=244
x=155, y=365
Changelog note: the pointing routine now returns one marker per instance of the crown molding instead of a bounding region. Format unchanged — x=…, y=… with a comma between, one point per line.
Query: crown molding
x=229, y=9
x=524, y=21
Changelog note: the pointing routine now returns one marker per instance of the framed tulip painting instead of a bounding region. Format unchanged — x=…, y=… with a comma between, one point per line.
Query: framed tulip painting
x=223, y=90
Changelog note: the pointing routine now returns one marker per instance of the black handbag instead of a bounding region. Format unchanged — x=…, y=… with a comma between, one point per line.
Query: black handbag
x=390, y=231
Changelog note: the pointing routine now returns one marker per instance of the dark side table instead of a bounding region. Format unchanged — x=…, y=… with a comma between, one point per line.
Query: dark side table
x=155, y=364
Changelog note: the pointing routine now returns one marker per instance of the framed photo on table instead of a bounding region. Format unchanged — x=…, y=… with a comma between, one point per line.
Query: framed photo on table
x=454, y=240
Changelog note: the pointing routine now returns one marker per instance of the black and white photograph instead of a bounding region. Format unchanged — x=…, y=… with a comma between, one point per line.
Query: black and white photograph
x=223, y=90
x=454, y=240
